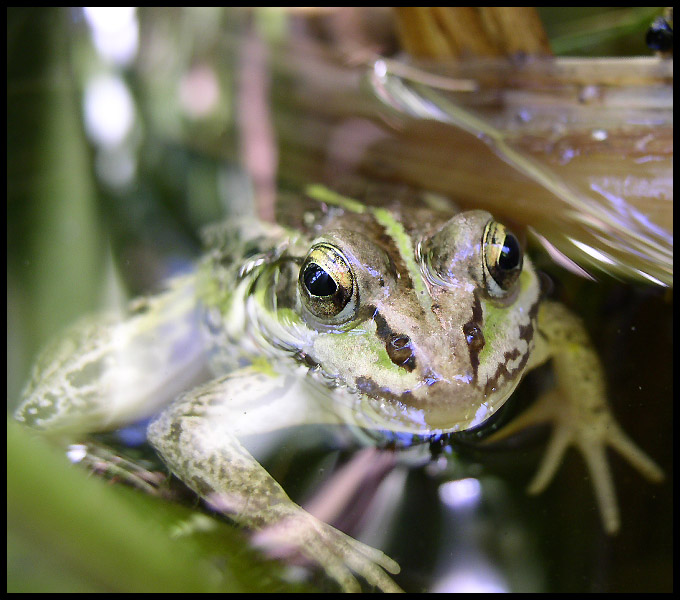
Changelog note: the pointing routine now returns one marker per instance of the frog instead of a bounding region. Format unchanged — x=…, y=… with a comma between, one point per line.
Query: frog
x=415, y=318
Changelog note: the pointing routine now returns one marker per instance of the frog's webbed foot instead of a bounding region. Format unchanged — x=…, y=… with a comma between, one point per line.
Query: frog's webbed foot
x=590, y=428
x=197, y=438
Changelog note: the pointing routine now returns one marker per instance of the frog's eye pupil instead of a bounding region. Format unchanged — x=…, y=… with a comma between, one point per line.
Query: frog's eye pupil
x=327, y=287
x=502, y=259
x=510, y=255
x=318, y=282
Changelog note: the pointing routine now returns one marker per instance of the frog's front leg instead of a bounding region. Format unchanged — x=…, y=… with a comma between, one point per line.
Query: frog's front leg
x=579, y=411
x=197, y=437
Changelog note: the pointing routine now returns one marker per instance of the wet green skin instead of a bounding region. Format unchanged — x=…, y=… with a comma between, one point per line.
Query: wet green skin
x=425, y=333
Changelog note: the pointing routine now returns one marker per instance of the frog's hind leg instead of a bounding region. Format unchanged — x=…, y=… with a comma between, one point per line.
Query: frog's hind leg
x=110, y=370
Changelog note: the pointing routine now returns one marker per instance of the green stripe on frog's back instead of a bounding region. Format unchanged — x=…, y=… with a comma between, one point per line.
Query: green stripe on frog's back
x=393, y=228
x=402, y=240
x=323, y=194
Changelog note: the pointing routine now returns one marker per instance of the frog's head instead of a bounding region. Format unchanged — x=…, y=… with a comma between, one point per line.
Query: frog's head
x=435, y=331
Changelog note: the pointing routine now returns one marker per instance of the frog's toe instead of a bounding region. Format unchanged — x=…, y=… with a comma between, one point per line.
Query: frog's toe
x=371, y=564
x=557, y=446
x=594, y=453
x=544, y=410
x=343, y=576
x=627, y=448
x=339, y=555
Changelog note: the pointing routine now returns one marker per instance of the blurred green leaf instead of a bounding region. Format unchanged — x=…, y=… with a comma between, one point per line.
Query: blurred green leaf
x=598, y=31
x=55, y=246
x=67, y=532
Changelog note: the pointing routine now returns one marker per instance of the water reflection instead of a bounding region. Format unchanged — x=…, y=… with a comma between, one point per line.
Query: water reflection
x=109, y=110
x=461, y=494
x=115, y=32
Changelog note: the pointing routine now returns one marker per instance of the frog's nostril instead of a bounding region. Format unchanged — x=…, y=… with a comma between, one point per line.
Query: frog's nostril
x=474, y=336
x=400, y=351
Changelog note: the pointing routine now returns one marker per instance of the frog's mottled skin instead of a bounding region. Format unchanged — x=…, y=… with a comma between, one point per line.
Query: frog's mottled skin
x=429, y=324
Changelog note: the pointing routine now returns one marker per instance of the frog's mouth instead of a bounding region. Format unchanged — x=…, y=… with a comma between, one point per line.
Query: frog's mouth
x=439, y=403
x=369, y=387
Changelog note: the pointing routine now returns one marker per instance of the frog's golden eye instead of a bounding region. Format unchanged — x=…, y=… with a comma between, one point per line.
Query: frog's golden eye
x=327, y=284
x=502, y=259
